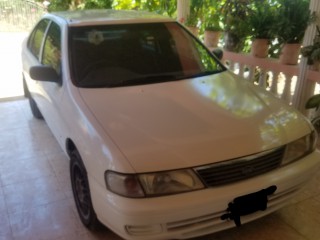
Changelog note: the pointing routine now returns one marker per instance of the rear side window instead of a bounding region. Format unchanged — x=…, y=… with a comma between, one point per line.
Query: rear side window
x=36, y=38
x=52, y=48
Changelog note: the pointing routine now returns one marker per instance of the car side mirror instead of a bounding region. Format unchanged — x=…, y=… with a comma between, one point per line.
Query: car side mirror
x=44, y=73
x=218, y=53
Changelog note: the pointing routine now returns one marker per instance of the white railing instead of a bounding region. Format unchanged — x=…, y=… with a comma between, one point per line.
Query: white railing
x=269, y=73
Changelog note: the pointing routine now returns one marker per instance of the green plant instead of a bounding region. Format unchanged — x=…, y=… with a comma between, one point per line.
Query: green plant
x=261, y=20
x=313, y=102
x=192, y=20
x=234, y=17
x=212, y=21
x=292, y=20
x=168, y=7
x=196, y=8
x=212, y=17
x=63, y=5
x=312, y=52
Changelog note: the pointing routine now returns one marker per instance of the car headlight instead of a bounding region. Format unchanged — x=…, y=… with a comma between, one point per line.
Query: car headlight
x=153, y=184
x=171, y=182
x=299, y=148
x=124, y=184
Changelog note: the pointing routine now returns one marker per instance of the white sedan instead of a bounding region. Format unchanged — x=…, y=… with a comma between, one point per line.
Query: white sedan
x=163, y=141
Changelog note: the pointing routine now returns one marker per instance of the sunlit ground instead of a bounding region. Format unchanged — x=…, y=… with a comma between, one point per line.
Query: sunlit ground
x=10, y=64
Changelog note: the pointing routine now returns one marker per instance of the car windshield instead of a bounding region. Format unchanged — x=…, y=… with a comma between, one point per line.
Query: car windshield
x=132, y=54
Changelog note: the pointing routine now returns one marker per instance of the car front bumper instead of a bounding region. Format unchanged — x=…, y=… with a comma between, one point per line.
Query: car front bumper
x=197, y=213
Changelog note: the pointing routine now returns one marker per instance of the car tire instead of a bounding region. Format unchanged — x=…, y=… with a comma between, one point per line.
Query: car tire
x=81, y=192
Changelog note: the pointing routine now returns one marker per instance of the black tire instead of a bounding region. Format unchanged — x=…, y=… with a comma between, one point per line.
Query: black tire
x=81, y=192
x=34, y=109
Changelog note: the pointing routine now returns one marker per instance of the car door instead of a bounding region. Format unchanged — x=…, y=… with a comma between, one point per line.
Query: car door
x=44, y=47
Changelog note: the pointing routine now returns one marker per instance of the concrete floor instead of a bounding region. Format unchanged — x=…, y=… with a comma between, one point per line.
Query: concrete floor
x=35, y=193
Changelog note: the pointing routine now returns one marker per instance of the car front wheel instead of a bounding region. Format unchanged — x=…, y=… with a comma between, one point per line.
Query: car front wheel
x=81, y=192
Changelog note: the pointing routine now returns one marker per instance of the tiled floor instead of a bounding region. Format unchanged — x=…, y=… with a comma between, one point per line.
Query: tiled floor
x=36, y=200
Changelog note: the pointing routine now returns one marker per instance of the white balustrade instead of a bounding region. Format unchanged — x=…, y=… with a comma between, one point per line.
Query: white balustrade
x=268, y=73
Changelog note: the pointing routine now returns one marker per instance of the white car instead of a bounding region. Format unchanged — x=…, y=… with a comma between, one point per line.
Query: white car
x=164, y=142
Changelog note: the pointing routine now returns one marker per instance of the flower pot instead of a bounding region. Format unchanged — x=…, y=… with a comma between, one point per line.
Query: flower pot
x=211, y=38
x=194, y=31
x=290, y=53
x=260, y=48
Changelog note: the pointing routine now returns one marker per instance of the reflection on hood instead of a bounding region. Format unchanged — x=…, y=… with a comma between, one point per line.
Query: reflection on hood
x=230, y=95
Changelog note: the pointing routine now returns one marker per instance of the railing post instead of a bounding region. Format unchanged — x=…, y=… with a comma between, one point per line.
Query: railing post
x=251, y=73
x=263, y=79
x=231, y=66
x=241, y=69
x=286, y=95
x=274, y=84
x=303, y=87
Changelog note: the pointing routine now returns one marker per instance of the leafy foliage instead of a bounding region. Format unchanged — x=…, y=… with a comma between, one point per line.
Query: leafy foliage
x=168, y=7
x=59, y=5
x=312, y=52
x=212, y=17
x=262, y=18
x=94, y=4
x=293, y=18
x=240, y=19
x=235, y=16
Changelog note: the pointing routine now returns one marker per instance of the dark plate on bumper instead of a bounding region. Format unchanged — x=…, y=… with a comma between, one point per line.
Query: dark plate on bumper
x=248, y=204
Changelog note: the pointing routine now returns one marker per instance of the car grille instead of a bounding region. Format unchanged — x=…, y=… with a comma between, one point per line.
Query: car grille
x=241, y=168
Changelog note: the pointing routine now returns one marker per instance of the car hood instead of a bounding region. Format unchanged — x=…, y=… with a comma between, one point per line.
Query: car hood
x=193, y=122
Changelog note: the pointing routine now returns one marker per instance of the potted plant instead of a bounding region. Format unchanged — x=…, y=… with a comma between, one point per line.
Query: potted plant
x=236, y=29
x=312, y=52
x=193, y=19
x=212, y=30
x=292, y=20
x=261, y=19
x=192, y=24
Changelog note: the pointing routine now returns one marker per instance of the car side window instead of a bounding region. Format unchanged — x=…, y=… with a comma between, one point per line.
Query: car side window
x=36, y=38
x=52, y=48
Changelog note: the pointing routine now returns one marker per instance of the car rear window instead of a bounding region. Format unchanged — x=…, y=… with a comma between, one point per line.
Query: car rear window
x=131, y=54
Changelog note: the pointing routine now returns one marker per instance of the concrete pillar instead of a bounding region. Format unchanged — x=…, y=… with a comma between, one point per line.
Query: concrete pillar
x=304, y=88
x=183, y=10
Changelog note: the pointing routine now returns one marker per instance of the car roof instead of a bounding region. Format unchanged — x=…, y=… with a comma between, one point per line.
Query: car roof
x=108, y=16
